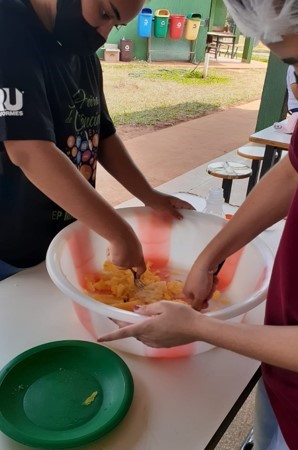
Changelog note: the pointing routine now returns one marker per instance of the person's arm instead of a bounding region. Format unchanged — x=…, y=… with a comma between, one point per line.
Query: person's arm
x=116, y=160
x=267, y=203
x=175, y=324
x=55, y=175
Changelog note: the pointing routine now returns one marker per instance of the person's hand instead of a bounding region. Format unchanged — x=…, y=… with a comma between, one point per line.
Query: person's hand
x=168, y=203
x=126, y=252
x=199, y=286
x=170, y=324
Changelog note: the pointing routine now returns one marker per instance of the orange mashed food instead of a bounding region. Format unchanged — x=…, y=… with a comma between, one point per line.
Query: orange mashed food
x=116, y=287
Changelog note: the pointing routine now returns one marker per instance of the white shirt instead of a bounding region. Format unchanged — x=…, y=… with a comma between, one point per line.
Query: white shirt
x=292, y=101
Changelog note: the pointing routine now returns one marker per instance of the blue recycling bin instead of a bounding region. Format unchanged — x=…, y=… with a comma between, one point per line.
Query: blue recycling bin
x=145, y=22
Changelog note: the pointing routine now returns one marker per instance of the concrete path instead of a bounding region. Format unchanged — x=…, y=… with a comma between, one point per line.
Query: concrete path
x=171, y=152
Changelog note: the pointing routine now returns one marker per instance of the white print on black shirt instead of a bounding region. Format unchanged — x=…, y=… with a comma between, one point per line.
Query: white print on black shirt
x=11, y=102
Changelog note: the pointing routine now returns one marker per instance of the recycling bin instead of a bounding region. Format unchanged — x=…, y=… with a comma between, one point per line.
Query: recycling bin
x=145, y=18
x=161, y=23
x=192, y=26
x=126, y=49
x=176, y=26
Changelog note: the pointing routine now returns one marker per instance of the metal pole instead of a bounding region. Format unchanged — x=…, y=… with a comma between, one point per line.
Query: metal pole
x=206, y=65
x=149, y=49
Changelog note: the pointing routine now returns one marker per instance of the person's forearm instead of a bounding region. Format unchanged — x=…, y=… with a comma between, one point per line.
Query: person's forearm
x=53, y=174
x=268, y=203
x=273, y=345
x=114, y=157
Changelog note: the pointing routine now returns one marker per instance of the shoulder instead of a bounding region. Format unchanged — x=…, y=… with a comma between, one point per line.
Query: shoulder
x=12, y=25
x=12, y=15
x=25, y=43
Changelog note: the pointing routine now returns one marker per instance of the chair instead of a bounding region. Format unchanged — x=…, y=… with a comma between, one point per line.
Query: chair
x=228, y=171
x=255, y=152
x=212, y=46
x=227, y=49
x=226, y=45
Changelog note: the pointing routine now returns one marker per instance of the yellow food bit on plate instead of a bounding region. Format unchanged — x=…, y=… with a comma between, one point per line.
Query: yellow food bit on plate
x=90, y=399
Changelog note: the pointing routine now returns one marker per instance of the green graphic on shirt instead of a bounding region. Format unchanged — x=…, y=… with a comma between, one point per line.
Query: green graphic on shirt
x=58, y=215
x=79, y=116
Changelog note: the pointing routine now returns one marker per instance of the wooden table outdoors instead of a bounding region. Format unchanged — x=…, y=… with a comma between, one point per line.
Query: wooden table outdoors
x=221, y=35
x=275, y=142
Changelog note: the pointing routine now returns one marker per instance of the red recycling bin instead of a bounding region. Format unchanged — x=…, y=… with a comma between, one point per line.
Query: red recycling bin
x=176, y=26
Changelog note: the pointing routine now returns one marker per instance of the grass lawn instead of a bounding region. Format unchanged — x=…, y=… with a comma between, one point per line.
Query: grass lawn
x=141, y=94
x=260, y=51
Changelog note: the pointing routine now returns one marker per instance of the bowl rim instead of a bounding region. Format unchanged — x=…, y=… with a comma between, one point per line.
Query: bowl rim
x=56, y=274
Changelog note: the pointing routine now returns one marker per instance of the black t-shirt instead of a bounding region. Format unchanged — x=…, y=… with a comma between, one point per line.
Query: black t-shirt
x=45, y=94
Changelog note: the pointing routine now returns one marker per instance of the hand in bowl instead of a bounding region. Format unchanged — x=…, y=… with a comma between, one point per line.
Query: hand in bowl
x=199, y=286
x=168, y=203
x=126, y=252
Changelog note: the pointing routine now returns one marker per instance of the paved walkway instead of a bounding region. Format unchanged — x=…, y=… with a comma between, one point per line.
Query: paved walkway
x=169, y=153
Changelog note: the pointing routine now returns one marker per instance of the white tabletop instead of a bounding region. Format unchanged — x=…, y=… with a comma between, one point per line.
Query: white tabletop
x=269, y=136
x=178, y=403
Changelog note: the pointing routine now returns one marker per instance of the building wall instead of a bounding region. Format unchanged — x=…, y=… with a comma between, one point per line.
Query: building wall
x=273, y=106
x=220, y=13
x=166, y=49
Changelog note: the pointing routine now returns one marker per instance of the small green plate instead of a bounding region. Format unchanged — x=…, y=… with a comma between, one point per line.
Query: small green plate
x=63, y=394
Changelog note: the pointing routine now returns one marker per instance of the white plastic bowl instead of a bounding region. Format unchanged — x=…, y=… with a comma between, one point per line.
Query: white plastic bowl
x=77, y=251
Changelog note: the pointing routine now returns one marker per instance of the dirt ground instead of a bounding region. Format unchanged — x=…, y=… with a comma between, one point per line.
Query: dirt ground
x=127, y=132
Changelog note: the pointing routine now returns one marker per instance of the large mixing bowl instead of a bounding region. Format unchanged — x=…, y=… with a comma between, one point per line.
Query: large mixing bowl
x=77, y=251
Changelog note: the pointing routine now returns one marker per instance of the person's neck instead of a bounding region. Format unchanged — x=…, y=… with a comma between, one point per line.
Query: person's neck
x=46, y=11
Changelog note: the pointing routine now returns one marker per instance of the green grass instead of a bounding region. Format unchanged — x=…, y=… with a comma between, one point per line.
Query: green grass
x=184, y=76
x=256, y=57
x=260, y=51
x=148, y=94
x=165, y=115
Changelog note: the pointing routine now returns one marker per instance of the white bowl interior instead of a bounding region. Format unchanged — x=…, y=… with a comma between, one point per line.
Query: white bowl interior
x=77, y=251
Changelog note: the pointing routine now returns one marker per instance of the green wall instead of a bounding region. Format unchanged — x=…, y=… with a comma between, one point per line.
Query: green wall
x=273, y=106
x=168, y=49
x=220, y=13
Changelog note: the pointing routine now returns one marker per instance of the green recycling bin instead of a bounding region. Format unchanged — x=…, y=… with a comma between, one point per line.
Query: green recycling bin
x=161, y=23
x=192, y=26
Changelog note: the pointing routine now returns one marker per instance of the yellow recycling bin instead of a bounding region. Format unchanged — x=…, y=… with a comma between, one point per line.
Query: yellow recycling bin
x=192, y=26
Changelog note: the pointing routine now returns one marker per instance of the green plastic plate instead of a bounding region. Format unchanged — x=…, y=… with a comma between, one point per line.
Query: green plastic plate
x=63, y=394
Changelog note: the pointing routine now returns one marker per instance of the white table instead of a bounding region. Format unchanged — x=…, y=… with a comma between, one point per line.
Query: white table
x=274, y=141
x=178, y=403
